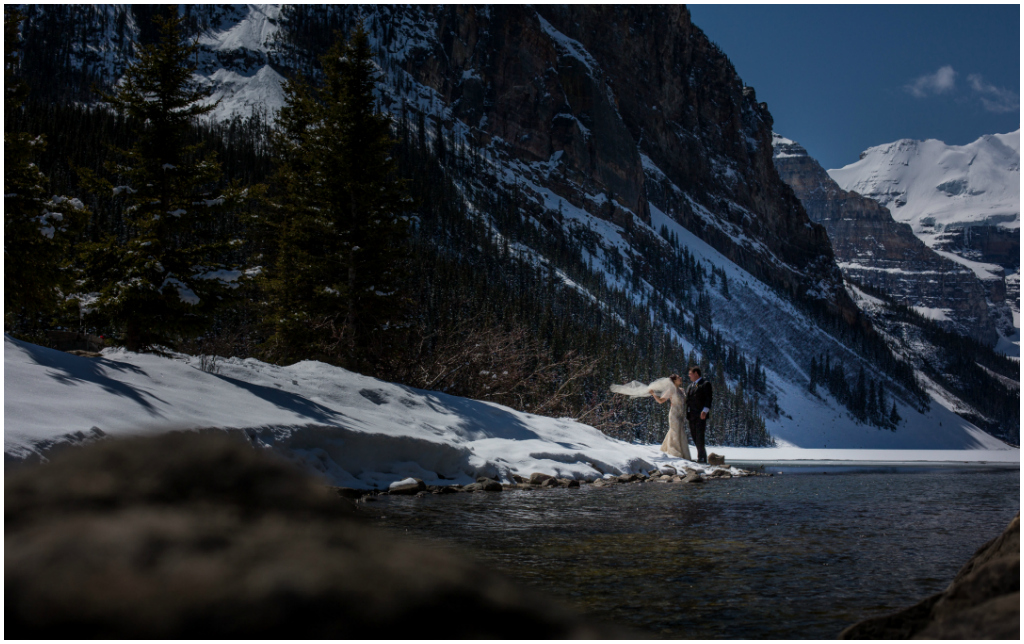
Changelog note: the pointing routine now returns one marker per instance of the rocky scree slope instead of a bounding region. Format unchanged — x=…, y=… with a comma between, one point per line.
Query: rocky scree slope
x=636, y=104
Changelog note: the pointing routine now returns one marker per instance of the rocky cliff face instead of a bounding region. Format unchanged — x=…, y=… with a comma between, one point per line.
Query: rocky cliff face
x=873, y=249
x=613, y=108
x=618, y=109
x=989, y=244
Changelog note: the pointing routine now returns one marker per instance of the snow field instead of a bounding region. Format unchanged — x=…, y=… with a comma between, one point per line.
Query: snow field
x=867, y=456
x=354, y=430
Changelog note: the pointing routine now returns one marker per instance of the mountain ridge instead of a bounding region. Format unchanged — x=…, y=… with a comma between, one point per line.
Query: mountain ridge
x=942, y=189
x=963, y=201
x=875, y=250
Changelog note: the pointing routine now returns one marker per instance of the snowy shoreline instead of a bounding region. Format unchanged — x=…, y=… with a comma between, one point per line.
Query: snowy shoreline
x=352, y=430
x=869, y=456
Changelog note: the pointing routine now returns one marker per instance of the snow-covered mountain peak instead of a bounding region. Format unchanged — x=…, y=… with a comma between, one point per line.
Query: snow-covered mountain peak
x=937, y=187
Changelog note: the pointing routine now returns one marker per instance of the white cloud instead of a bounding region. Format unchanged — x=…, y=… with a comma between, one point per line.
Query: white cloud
x=940, y=82
x=995, y=99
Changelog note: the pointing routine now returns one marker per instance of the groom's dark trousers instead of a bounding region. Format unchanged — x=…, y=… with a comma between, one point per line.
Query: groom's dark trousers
x=698, y=426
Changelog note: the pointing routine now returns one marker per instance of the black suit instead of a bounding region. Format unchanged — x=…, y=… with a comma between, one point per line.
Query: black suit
x=698, y=397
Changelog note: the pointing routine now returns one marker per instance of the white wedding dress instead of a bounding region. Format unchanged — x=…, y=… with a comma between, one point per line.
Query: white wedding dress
x=675, y=443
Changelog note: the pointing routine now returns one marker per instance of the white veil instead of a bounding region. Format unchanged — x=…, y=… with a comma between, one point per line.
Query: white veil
x=637, y=389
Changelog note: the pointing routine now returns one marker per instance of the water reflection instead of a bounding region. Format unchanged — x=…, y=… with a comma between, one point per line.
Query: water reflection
x=781, y=557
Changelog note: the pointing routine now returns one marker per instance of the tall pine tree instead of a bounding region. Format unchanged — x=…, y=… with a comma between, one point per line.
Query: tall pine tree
x=160, y=282
x=335, y=286
x=35, y=227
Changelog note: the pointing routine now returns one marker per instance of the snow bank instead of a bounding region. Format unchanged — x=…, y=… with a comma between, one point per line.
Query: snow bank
x=355, y=430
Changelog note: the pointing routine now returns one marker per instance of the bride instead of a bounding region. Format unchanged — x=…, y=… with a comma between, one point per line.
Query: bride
x=675, y=443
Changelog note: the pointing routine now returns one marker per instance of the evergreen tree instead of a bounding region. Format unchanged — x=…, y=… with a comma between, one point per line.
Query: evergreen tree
x=894, y=416
x=35, y=228
x=335, y=287
x=163, y=279
x=304, y=281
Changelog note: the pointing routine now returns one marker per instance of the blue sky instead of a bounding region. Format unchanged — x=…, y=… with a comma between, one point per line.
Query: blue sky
x=840, y=79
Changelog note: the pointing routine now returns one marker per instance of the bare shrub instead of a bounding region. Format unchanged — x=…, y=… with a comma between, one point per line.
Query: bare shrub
x=503, y=364
x=208, y=363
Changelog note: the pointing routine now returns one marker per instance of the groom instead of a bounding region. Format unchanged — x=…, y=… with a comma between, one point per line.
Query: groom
x=698, y=406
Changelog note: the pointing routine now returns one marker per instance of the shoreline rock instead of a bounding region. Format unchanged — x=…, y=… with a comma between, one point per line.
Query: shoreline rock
x=538, y=478
x=483, y=484
x=982, y=602
x=542, y=481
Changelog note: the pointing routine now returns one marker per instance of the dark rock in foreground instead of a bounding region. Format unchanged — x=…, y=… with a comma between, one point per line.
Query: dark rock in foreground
x=189, y=536
x=983, y=602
